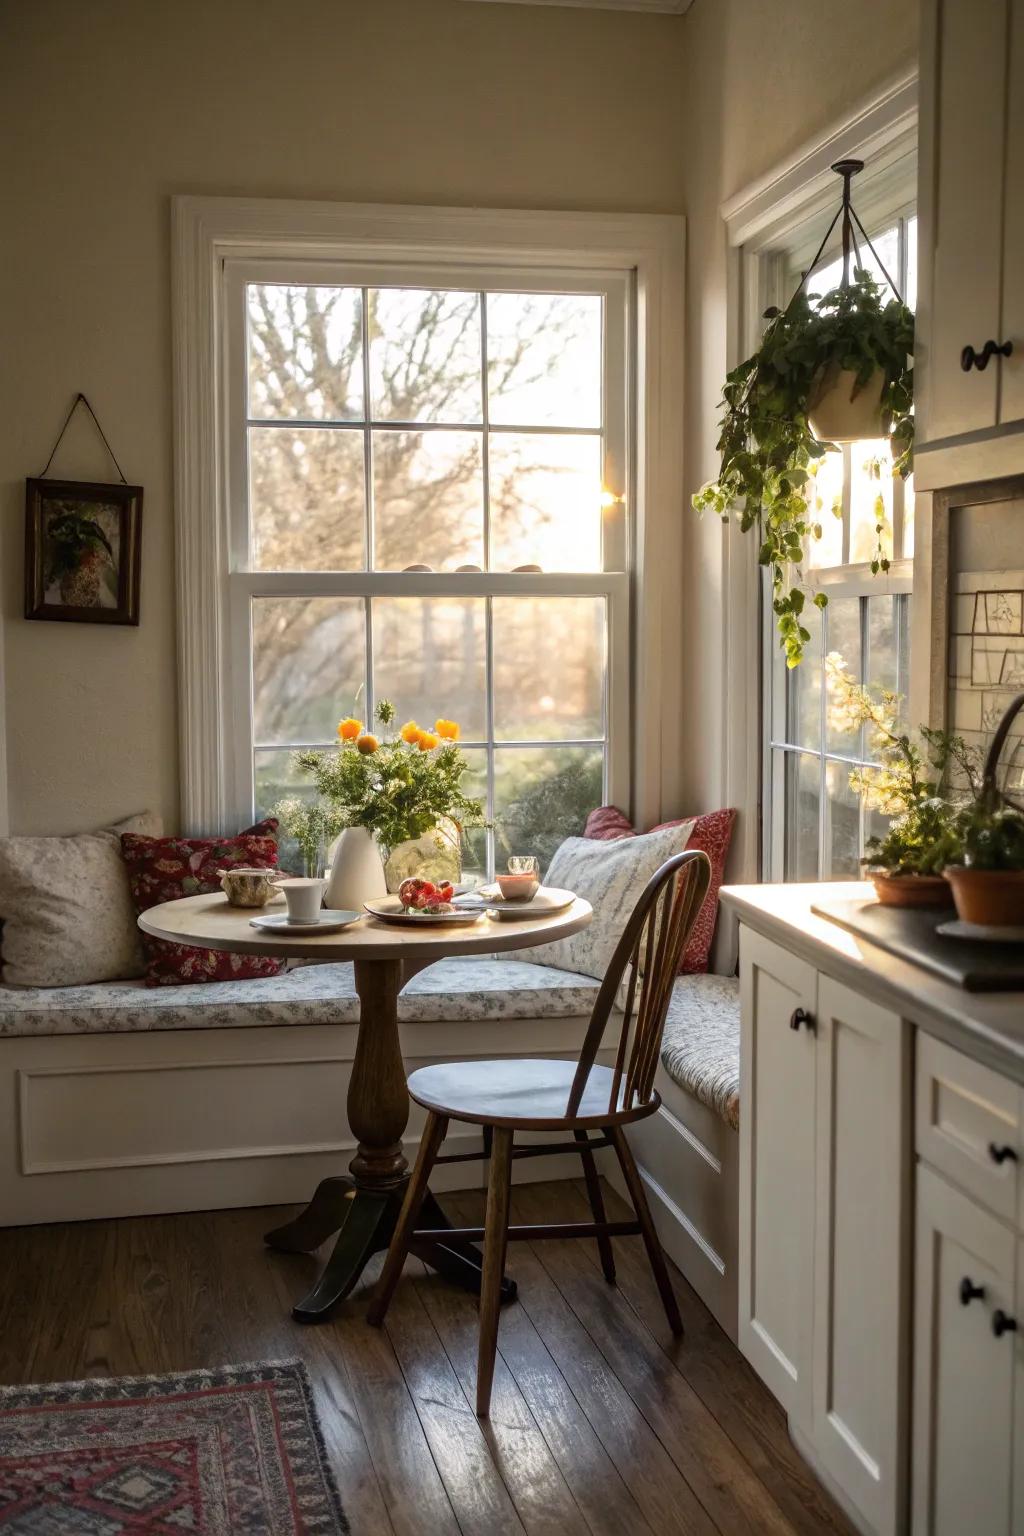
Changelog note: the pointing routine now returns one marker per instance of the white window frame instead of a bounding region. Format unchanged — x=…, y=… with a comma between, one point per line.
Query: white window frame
x=773, y=214
x=215, y=237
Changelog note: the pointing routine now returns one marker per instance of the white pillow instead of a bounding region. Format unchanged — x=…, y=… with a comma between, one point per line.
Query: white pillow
x=67, y=913
x=611, y=876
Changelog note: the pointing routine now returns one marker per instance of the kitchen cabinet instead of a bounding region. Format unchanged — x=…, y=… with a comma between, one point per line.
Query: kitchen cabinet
x=971, y=226
x=824, y=1208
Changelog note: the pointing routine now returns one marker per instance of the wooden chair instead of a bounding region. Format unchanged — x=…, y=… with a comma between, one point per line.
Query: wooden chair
x=578, y=1097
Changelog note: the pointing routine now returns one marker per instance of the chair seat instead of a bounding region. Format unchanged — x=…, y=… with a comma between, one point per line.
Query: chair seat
x=529, y=1094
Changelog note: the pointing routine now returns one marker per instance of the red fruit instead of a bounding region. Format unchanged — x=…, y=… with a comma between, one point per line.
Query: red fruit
x=445, y=891
x=416, y=893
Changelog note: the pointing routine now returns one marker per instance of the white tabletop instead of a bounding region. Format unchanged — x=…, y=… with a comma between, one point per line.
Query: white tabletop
x=208, y=922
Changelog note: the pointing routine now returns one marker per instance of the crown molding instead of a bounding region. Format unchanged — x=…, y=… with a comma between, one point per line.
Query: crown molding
x=659, y=7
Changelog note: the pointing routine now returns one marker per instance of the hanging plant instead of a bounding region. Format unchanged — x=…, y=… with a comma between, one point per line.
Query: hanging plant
x=845, y=355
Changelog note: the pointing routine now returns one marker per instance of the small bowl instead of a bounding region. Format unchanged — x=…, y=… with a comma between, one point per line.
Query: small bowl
x=249, y=887
x=518, y=887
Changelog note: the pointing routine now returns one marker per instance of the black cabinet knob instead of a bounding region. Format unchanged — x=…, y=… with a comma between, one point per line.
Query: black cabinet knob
x=801, y=1016
x=1002, y=1324
x=1000, y=1154
x=970, y=1292
x=970, y=359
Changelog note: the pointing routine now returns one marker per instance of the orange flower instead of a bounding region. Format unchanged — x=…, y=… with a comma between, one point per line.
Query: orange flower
x=367, y=743
x=447, y=730
x=426, y=741
x=409, y=732
x=350, y=728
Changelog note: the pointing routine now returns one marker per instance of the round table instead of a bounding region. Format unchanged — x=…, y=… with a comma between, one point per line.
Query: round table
x=364, y=1206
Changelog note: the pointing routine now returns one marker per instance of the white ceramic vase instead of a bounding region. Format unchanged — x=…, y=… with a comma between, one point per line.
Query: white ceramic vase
x=357, y=873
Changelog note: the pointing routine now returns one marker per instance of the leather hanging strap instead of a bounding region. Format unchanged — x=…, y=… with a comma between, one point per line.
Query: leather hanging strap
x=81, y=400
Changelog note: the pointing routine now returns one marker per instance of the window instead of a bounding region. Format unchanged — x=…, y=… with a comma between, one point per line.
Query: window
x=814, y=825
x=427, y=483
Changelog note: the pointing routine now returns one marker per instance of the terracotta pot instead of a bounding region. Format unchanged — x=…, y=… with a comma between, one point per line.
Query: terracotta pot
x=993, y=897
x=836, y=414
x=911, y=890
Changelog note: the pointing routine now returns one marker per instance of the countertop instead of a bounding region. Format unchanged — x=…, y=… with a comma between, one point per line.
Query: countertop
x=987, y=1026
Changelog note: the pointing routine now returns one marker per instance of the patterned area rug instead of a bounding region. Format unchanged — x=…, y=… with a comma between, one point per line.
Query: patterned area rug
x=231, y=1452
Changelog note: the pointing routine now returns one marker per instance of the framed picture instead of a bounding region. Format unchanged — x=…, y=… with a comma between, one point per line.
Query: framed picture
x=82, y=551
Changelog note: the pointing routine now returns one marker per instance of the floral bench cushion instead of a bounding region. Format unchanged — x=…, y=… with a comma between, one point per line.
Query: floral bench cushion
x=461, y=989
x=701, y=1047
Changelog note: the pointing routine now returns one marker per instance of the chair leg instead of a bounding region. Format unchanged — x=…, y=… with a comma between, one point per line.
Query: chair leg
x=594, y=1195
x=430, y=1144
x=652, y=1242
x=495, y=1243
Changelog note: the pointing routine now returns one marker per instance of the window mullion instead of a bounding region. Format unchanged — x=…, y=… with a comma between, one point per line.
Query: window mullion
x=368, y=500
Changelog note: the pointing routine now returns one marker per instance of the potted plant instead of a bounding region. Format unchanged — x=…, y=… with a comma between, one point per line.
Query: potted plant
x=313, y=825
x=836, y=369
x=988, y=885
x=79, y=557
x=399, y=799
x=910, y=781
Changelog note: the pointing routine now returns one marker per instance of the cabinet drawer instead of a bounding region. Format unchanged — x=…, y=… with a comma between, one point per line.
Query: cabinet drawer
x=968, y=1124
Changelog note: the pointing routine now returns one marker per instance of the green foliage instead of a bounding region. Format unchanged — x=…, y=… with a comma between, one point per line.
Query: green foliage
x=396, y=790
x=313, y=824
x=992, y=835
x=548, y=811
x=769, y=455
x=909, y=779
x=69, y=537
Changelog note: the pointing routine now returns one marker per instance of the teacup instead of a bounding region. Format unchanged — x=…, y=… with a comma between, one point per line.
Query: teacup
x=523, y=879
x=249, y=887
x=304, y=897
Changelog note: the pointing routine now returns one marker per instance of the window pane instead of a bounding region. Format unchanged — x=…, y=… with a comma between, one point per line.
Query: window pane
x=429, y=659
x=843, y=629
x=887, y=244
x=306, y=499
x=541, y=796
x=474, y=845
x=425, y=357
x=545, y=502
x=532, y=699
x=843, y=824
x=803, y=807
x=803, y=686
x=825, y=279
x=428, y=500
x=870, y=500
x=882, y=665
x=826, y=502
x=305, y=352
x=544, y=359
x=309, y=666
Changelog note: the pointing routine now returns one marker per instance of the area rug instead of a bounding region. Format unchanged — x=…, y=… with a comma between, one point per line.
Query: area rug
x=231, y=1452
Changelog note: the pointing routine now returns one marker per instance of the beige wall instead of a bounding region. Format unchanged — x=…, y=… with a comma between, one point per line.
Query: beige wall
x=112, y=106
x=759, y=79
x=109, y=108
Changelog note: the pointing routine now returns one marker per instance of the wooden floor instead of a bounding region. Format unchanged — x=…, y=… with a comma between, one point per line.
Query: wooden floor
x=601, y=1422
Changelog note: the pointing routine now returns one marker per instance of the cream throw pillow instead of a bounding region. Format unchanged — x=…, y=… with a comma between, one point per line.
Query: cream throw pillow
x=612, y=877
x=67, y=913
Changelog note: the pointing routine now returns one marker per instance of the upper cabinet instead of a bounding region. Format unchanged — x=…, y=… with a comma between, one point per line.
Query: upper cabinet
x=969, y=357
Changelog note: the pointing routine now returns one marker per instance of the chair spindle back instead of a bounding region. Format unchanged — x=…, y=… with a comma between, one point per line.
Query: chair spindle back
x=647, y=957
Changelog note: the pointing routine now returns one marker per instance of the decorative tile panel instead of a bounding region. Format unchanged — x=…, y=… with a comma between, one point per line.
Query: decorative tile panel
x=986, y=660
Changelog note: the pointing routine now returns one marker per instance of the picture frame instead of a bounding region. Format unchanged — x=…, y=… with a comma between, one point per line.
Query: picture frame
x=82, y=551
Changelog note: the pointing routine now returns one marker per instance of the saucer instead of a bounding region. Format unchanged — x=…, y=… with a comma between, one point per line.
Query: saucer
x=548, y=900
x=986, y=933
x=328, y=922
x=390, y=910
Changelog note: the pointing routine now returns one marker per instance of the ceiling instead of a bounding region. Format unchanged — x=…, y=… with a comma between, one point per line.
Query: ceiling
x=664, y=7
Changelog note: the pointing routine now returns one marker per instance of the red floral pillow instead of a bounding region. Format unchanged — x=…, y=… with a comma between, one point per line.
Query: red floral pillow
x=166, y=868
x=711, y=834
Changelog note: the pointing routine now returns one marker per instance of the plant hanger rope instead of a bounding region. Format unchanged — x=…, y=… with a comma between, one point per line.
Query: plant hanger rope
x=80, y=399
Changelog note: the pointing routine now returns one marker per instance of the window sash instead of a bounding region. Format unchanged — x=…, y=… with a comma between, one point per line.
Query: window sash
x=613, y=583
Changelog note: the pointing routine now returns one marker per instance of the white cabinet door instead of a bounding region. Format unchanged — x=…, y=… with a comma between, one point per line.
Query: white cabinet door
x=963, y=1371
x=1018, y=1398
x=965, y=65
x=777, y=1170
x=862, y=1212
x=1011, y=404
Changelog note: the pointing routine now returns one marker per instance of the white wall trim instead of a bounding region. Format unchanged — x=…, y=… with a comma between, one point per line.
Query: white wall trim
x=206, y=231
x=882, y=131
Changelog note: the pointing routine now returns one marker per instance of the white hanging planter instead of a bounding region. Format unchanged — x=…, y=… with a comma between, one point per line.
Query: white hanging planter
x=839, y=412
x=356, y=873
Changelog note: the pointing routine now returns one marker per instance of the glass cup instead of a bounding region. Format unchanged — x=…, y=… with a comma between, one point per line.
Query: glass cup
x=523, y=879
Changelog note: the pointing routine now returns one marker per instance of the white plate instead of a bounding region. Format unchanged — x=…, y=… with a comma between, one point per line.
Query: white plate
x=548, y=900
x=390, y=910
x=329, y=921
x=982, y=932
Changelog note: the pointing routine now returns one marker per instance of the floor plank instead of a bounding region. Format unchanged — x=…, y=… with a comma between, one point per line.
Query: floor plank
x=602, y=1423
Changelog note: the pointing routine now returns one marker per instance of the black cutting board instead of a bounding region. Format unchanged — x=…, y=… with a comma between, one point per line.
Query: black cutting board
x=974, y=964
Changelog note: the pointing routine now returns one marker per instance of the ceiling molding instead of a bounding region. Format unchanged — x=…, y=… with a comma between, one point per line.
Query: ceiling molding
x=660, y=7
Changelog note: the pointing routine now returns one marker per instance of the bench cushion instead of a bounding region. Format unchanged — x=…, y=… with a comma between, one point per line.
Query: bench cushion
x=701, y=1046
x=465, y=989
